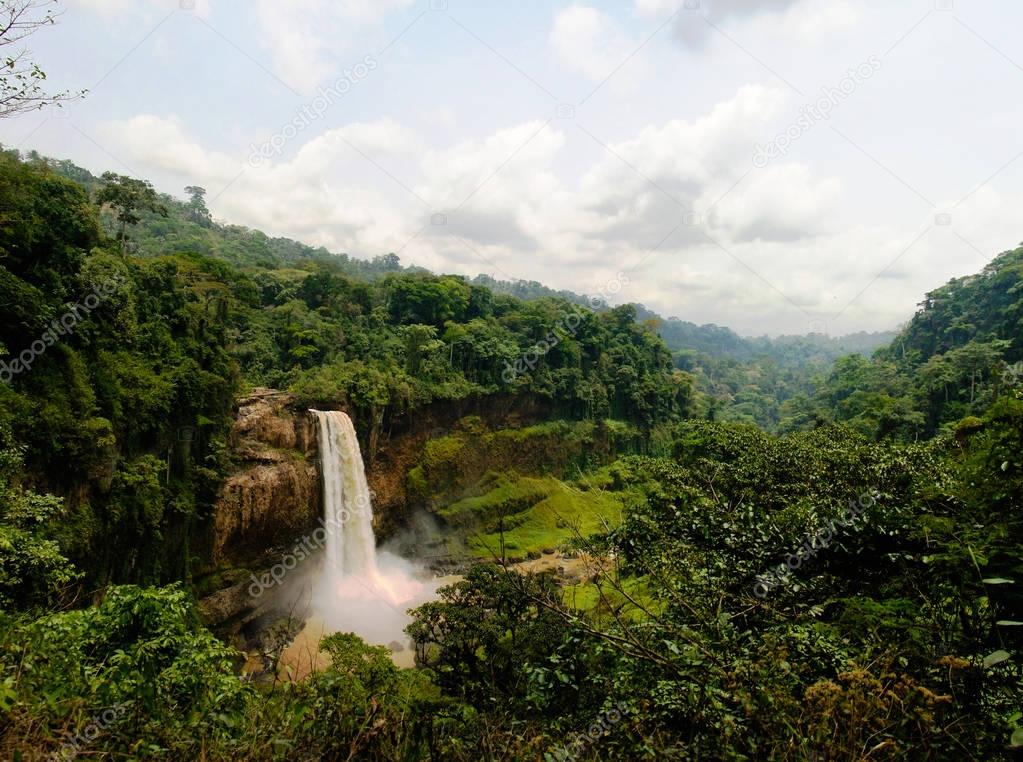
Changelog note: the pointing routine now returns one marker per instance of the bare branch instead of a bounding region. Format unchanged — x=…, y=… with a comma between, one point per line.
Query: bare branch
x=21, y=79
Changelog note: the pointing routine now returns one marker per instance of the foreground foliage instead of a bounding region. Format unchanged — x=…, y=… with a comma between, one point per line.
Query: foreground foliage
x=896, y=637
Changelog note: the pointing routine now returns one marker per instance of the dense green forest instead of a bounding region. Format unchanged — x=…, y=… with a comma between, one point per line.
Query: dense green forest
x=799, y=548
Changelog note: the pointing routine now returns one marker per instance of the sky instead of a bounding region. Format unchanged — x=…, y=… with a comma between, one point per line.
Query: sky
x=775, y=166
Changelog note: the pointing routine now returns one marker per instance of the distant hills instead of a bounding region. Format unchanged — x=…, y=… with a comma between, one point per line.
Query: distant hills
x=241, y=246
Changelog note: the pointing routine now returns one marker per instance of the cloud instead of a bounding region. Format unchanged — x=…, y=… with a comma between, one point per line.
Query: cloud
x=772, y=250
x=681, y=166
x=502, y=194
x=484, y=170
x=808, y=21
x=301, y=198
x=161, y=143
x=308, y=38
x=380, y=138
x=717, y=9
x=780, y=203
x=294, y=36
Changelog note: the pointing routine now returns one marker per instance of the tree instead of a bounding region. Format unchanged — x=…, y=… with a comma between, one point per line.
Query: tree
x=33, y=568
x=21, y=81
x=47, y=228
x=197, y=211
x=388, y=262
x=976, y=359
x=128, y=196
x=420, y=341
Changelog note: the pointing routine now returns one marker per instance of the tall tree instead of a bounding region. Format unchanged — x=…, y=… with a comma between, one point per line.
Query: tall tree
x=128, y=196
x=197, y=210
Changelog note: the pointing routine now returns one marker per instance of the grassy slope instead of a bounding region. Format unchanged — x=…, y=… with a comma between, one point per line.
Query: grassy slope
x=538, y=513
x=530, y=482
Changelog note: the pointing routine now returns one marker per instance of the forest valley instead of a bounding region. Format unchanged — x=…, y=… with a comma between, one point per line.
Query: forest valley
x=796, y=548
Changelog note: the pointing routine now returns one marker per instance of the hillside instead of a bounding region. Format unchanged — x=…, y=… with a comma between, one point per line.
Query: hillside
x=960, y=351
x=734, y=378
x=188, y=227
x=180, y=333
x=976, y=308
x=267, y=501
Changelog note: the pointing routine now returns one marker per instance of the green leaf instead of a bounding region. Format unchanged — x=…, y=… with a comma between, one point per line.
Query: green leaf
x=995, y=657
x=1017, y=738
x=997, y=581
x=1008, y=623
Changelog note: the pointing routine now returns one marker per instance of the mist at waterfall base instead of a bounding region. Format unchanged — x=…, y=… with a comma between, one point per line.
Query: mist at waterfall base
x=351, y=586
x=374, y=608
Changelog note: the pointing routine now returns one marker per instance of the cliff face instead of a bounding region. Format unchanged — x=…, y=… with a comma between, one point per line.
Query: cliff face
x=274, y=498
x=397, y=447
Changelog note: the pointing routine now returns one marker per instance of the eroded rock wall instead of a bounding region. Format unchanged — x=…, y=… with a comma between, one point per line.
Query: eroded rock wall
x=274, y=496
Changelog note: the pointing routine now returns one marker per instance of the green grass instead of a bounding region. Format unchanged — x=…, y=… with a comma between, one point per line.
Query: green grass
x=502, y=495
x=530, y=497
x=452, y=466
x=585, y=596
x=542, y=513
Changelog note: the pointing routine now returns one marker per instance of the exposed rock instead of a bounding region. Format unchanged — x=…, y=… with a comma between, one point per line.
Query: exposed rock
x=273, y=499
x=269, y=417
x=392, y=455
x=274, y=496
x=262, y=507
x=232, y=604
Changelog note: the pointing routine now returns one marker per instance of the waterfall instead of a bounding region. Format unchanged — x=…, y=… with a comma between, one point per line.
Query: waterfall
x=347, y=508
x=355, y=588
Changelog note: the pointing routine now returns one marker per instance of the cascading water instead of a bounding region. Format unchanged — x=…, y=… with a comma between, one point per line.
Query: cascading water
x=356, y=589
x=347, y=508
